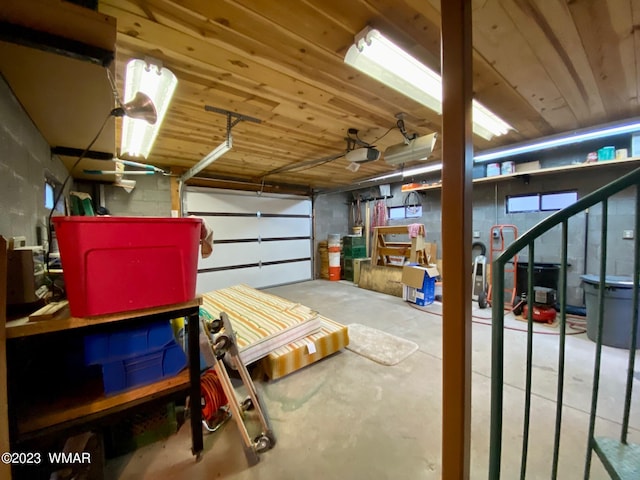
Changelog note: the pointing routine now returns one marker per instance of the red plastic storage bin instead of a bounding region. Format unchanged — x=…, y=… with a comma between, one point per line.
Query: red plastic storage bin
x=116, y=264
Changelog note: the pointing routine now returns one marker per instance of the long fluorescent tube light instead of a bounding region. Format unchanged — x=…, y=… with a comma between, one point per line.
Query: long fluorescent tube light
x=383, y=177
x=159, y=84
x=377, y=56
x=563, y=139
x=420, y=170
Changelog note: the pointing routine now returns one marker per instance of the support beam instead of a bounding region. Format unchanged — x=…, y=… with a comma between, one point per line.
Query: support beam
x=174, y=187
x=457, y=152
x=5, y=469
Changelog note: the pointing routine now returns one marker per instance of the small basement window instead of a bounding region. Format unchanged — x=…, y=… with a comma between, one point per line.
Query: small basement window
x=51, y=189
x=408, y=211
x=396, y=213
x=540, y=202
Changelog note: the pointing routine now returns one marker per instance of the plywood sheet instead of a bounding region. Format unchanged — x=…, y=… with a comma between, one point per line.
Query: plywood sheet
x=381, y=279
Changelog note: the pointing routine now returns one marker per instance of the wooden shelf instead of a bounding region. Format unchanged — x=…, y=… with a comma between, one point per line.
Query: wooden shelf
x=24, y=328
x=89, y=404
x=81, y=399
x=542, y=171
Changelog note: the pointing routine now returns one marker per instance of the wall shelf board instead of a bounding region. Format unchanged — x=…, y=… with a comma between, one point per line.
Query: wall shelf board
x=542, y=171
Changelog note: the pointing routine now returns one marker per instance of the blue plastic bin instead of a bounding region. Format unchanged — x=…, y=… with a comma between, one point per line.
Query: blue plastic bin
x=127, y=373
x=129, y=342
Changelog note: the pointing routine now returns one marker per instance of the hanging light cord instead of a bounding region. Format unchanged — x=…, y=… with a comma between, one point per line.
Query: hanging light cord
x=64, y=184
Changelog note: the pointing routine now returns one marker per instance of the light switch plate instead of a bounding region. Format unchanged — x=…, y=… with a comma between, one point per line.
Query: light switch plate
x=628, y=234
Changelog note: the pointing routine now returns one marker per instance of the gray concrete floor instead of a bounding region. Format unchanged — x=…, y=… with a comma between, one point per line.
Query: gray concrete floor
x=347, y=417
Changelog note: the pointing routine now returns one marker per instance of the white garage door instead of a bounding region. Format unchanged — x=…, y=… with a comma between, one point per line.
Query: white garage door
x=260, y=240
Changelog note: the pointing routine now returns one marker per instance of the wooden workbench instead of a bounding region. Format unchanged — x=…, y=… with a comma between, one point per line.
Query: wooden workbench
x=383, y=249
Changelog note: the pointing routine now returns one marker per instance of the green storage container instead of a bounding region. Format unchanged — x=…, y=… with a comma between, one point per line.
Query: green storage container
x=353, y=241
x=355, y=252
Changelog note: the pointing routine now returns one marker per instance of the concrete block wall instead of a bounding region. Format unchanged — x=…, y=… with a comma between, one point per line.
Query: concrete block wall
x=150, y=198
x=331, y=214
x=25, y=159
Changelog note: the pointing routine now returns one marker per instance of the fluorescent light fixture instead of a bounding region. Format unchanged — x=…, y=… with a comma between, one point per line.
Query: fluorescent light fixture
x=563, y=139
x=159, y=84
x=434, y=167
x=377, y=56
x=383, y=177
x=417, y=149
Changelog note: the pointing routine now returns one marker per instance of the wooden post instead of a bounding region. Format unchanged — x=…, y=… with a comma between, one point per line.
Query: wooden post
x=174, y=179
x=5, y=470
x=457, y=152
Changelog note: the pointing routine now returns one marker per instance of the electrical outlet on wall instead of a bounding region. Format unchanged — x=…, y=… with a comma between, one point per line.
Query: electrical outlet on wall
x=476, y=234
x=627, y=234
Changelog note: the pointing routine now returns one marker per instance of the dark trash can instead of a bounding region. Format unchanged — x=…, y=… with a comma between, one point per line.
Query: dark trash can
x=544, y=275
x=617, y=313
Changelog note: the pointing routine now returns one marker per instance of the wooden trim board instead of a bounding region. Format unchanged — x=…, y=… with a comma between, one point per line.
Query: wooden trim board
x=5, y=470
x=17, y=330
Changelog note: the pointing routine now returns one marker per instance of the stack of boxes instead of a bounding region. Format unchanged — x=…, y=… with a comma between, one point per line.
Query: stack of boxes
x=353, y=249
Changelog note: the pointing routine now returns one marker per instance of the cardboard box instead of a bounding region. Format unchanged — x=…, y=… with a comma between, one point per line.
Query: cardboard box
x=431, y=250
x=418, y=284
x=527, y=166
x=25, y=274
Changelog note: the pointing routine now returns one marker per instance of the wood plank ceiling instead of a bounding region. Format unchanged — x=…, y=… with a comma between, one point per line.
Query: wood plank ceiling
x=544, y=66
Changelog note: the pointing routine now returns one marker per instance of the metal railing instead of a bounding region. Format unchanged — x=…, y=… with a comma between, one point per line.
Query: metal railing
x=617, y=456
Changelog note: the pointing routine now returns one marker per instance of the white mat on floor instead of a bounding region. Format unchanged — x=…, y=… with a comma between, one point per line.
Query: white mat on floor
x=379, y=346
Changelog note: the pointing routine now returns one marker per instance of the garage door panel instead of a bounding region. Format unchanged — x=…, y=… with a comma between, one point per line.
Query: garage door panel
x=212, y=200
x=284, y=206
x=269, y=248
x=233, y=228
x=208, y=200
x=284, y=273
x=227, y=254
x=209, y=281
x=285, y=227
x=284, y=249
